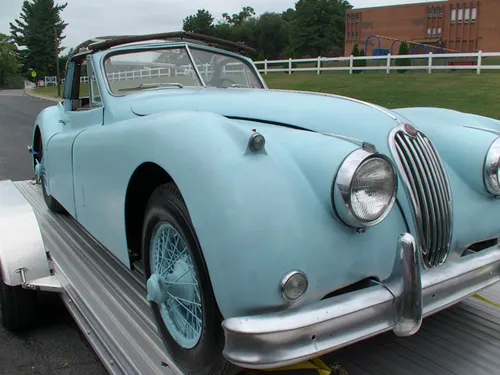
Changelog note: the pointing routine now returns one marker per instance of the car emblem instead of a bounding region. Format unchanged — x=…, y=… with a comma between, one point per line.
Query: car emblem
x=410, y=130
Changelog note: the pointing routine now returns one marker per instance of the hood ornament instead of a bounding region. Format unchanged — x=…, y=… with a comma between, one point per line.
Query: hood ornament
x=410, y=130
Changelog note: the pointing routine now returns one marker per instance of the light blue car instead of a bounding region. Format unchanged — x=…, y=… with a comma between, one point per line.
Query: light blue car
x=270, y=226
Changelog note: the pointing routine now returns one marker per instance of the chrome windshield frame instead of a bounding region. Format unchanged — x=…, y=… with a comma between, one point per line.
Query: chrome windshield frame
x=167, y=46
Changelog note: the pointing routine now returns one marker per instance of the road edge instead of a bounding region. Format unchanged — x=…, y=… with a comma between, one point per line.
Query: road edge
x=29, y=92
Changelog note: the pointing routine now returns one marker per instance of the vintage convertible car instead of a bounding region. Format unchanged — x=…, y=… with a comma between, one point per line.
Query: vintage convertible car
x=270, y=226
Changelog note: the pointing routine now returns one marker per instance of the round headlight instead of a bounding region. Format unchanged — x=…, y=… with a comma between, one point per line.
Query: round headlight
x=365, y=189
x=492, y=168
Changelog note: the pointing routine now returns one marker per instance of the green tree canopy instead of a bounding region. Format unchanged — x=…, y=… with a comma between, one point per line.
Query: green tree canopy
x=9, y=62
x=39, y=29
x=314, y=27
x=318, y=26
x=201, y=23
x=240, y=18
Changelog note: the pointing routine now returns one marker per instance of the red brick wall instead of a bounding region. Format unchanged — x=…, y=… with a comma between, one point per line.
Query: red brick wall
x=412, y=22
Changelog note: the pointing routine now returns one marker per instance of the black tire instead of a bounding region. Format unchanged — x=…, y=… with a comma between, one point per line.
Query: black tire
x=18, y=307
x=205, y=358
x=50, y=201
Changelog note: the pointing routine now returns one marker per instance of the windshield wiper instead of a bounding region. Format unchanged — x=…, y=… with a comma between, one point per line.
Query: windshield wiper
x=153, y=86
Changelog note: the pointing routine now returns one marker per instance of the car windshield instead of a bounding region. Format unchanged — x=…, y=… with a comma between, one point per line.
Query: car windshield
x=173, y=68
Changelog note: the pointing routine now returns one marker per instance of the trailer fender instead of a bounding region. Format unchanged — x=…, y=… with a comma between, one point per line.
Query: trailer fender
x=21, y=243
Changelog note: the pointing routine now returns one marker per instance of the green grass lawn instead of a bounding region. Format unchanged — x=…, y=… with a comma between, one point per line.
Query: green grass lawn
x=463, y=91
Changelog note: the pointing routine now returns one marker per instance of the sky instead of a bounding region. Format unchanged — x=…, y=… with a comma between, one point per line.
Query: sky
x=90, y=18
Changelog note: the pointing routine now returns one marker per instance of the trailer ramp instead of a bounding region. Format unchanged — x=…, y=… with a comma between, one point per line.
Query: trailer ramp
x=461, y=340
x=108, y=302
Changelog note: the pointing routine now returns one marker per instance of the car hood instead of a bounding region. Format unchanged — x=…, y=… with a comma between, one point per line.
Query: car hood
x=313, y=111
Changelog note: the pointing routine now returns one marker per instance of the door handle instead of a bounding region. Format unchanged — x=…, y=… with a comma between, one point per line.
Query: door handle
x=62, y=122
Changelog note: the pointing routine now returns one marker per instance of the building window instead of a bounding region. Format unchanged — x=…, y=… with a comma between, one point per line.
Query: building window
x=439, y=31
x=348, y=18
x=357, y=18
x=473, y=15
x=453, y=16
x=429, y=32
x=460, y=15
x=440, y=12
x=434, y=32
x=429, y=10
x=434, y=12
x=466, y=15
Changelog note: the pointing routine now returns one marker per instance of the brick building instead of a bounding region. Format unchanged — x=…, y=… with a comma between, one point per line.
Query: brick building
x=462, y=26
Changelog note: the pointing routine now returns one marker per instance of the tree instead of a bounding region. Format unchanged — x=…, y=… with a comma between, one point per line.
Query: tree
x=403, y=50
x=201, y=23
x=238, y=19
x=271, y=34
x=40, y=30
x=318, y=26
x=9, y=62
x=288, y=15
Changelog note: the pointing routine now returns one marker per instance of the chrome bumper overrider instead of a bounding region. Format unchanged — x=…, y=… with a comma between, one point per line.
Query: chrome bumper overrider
x=398, y=304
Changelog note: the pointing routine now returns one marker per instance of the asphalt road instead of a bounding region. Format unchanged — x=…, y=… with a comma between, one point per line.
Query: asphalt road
x=55, y=346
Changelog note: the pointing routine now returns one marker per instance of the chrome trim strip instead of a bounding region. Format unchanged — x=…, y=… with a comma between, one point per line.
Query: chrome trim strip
x=195, y=67
x=494, y=131
x=374, y=106
x=294, y=335
x=357, y=142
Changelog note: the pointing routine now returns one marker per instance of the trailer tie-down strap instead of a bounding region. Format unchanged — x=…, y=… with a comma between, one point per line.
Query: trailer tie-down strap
x=485, y=300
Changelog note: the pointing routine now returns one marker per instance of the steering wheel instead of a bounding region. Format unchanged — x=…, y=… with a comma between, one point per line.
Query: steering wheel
x=217, y=82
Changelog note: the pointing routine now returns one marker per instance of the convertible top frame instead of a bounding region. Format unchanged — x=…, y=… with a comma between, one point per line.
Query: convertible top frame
x=105, y=42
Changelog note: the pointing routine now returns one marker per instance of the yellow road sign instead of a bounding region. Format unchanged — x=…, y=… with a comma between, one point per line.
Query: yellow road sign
x=33, y=74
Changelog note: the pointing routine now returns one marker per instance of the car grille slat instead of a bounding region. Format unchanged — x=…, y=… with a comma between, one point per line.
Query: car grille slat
x=444, y=196
x=430, y=196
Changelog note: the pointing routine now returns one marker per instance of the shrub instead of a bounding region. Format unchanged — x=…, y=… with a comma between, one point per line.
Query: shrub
x=356, y=63
x=290, y=54
x=403, y=50
x=362, y=62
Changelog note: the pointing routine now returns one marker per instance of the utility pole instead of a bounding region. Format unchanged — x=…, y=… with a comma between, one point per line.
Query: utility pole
x=56, y=45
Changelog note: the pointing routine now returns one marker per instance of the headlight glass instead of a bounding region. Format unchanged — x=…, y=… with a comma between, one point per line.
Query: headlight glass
x=372, y=189
x=364, y=189
x=492, y=169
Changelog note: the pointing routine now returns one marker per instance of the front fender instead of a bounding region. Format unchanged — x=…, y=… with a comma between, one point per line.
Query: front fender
x=258, y=215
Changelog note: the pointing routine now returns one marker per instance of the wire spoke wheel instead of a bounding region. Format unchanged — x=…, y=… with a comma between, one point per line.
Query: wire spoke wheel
x=174, y=285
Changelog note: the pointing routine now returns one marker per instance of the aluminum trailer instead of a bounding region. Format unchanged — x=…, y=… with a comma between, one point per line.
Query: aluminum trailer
x=108, y=302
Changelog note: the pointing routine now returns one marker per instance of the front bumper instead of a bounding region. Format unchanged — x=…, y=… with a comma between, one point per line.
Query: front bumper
x=398, y=304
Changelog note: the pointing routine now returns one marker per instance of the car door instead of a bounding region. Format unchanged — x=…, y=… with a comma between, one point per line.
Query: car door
x=80, y=110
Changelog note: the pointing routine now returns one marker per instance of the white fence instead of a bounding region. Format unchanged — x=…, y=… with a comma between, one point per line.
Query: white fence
x=433, y=62
x=430, y=63
x=174, y=71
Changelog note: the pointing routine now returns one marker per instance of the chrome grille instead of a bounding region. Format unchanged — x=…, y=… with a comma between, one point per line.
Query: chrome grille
x=428, y=187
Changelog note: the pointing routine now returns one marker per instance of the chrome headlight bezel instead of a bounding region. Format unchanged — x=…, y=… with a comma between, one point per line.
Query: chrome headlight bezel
x=492, y=168
x=341, y=189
